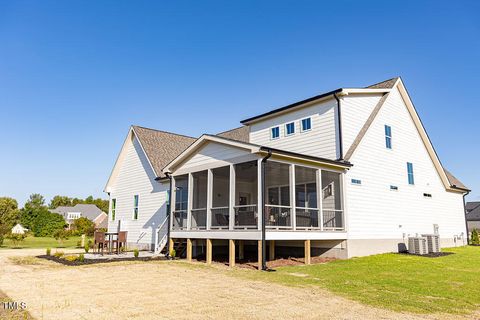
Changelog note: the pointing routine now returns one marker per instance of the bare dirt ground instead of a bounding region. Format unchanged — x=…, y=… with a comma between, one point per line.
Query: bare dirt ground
x=165, y=290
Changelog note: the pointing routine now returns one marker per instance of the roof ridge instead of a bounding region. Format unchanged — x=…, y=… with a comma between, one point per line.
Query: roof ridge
x=163, y=131
x=375, y=84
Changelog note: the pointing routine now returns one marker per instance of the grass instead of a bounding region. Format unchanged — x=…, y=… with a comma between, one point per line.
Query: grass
x=448, y=284
x=12, y=314
x=43, y=242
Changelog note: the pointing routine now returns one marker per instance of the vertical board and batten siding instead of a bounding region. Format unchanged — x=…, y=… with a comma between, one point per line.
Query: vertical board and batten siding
x=320, y=141
x=375, y=212
x=136, y=177
x=356, y=108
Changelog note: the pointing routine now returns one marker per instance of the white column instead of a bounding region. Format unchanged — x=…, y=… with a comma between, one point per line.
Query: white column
x=343, y=192
x=209, y=198
x=320, y=198
x=259, y=193
x=172, y=202
x=293, y=215
x=190, y=200
x=231, y=199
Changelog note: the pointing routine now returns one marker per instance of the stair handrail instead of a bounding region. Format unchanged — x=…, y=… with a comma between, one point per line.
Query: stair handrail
x=157, y=231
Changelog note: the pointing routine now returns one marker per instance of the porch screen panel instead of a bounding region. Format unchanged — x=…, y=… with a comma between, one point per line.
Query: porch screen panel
x=307, y=213
x=220, y=197
x=277, y=185
x=246, y=194
x=332, y=200
x=199, y=200
x=181, y=202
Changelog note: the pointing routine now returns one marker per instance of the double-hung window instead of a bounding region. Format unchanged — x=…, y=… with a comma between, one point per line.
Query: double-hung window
x=135, y=207
x=410, y=173
x=290, y=128
x=388, y=137
x=114, y=205
x=306, y=124
x=275, y=133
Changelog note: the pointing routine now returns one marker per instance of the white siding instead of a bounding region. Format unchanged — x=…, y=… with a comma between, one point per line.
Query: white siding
x=136, y=177
x=320, y=141
x=356, y=108
x=375, y=212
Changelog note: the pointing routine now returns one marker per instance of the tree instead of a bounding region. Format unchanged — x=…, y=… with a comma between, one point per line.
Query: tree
x=60, y=201
x=8, y=215
x=475, y=238
x=46, y=223
x=84, y=226
x=31, y=209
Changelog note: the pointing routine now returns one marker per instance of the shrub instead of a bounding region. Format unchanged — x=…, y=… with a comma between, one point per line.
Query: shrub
x=16, y=238
x=49, y=251
x=58, y=254
x=79, y=243
x=46, y=223
x=81, y=257
x=475, y=238
x=90, y=243
x=173, y=253
x=60, y=235
x=71, y=258
x=83, y=226
x=87, y=248
x=135, y=253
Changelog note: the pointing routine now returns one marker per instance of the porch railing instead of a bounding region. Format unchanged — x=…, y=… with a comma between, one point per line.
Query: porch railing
x=307, y=218
x=333, y=220
x=220, y=216
x=278, y=217
x=179, y=220
x=246, y=217
x=199, y=218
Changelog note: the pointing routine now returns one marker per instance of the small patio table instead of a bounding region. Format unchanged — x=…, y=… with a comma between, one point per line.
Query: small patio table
x=110, y=236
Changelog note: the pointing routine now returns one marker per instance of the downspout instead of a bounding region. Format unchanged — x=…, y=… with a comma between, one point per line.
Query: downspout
x=264, y=242
x=465, y=213
x=169, y=213
x=340, y=145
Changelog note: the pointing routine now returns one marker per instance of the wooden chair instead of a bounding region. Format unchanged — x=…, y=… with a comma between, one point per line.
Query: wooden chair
x=100, y=241
x=121, y=241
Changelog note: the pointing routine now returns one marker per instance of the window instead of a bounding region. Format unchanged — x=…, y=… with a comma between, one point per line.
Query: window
x=388, y=137
x=135, y=207
x=410, y=173
x=306, y=124
x=290, y=128
x=356, y=181
x=73, y=215
x=275, y=133
x=114, y=205
x=427, y=195
x=393, y=188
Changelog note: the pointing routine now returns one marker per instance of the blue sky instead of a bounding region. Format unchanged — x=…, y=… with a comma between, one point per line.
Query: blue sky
x=74, y=75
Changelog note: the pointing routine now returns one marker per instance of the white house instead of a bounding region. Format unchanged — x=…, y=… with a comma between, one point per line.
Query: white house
x=347, y=173
x=19, y=229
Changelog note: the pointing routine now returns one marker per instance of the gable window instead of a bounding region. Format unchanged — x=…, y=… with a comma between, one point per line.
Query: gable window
x=290, y=128
x=73, y=215
x=114, y=205
x=356, y=181
x=410, y=173
x=135, y=207
x=275, y=132
x=388, y=137
x=306, y=124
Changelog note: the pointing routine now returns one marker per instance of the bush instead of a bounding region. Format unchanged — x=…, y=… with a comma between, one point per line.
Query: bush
x=16, y=238
x=81, y=257
x=475, y=238
x=60, y=235
x=49, y=251
x=71, y=258
x=46, y=223
x=173, y=253
x=58, y=254
x=135, y=253
x=86, y=248
x=83, y=226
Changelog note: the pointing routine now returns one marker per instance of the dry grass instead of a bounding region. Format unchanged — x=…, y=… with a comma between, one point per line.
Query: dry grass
x=17, y=314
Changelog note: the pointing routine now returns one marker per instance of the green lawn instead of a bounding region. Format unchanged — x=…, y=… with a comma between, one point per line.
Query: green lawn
x=43, y=242
x=449, y=284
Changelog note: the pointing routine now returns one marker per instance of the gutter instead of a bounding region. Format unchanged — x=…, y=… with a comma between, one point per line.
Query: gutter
x=465, y=214
x=264, y=242
x=169, y=214
x=339, y=127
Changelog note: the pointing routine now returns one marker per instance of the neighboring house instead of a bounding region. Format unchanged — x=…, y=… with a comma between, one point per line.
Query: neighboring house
x=89, y=211
x=473, y=215
x=346, y=173
x=19, y=229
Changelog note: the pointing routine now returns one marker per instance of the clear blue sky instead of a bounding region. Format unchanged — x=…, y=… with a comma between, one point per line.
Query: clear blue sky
x=74, y=75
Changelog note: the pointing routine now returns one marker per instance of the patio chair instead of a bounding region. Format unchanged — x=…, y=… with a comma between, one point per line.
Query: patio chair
x=121, y=241
x=99, y=241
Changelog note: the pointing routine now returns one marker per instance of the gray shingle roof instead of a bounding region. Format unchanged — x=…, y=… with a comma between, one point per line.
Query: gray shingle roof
x=240, y=134
x=161, y=147
x=474, y=214
x=469, y=206
x=89, y=211
x=387, y=84
x=454, y=181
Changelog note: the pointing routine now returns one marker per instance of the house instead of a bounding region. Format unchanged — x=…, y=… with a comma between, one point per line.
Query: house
x=350, y=172
x=89, y=211
x=473, y=215
x=19, y=229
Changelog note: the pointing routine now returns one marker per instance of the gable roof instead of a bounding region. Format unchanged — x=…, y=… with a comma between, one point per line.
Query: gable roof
x=387, y=84
x=89, y=211
x=474, y=214
x=240, y=134
x=469, y=206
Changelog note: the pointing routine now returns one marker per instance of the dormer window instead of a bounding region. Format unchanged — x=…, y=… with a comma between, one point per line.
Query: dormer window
x=290, y=128
x=306, y=124
x=275, y=133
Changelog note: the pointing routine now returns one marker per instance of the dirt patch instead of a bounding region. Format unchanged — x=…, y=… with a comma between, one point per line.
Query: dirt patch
x=13, y=310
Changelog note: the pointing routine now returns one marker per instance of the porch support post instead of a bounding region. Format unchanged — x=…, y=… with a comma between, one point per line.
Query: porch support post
x=209, y=251
x=293, y=214
x=307, y=252
x=343, y=202
x=320, y=198
x=260, y=254
x=272, y=250
x=189, y=250
x=260, y=207
x=190, y=200
x=231, y=253
x=231, y=209
x=173, y=197
x=209, y=198
x=170, y=245
x=241, y=250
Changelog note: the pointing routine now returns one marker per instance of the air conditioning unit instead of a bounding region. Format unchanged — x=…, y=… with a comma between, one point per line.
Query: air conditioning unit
x=417, y=245
x=433, y=242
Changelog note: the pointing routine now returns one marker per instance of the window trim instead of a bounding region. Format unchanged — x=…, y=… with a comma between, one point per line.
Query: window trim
x=135, y=206
x=286, y=129
x=301, y=124
x=113, y=207
x=271, y=133
x=388, y=137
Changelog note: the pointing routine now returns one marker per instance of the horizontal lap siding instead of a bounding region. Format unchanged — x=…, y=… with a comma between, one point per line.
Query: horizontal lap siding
x=136, y=177
x=320, y=141
x=213, y=152
x=375, y=212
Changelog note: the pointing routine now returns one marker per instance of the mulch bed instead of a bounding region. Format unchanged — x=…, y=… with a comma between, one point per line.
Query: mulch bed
x=96, y=261
x=280, y=262
x=430, y=255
